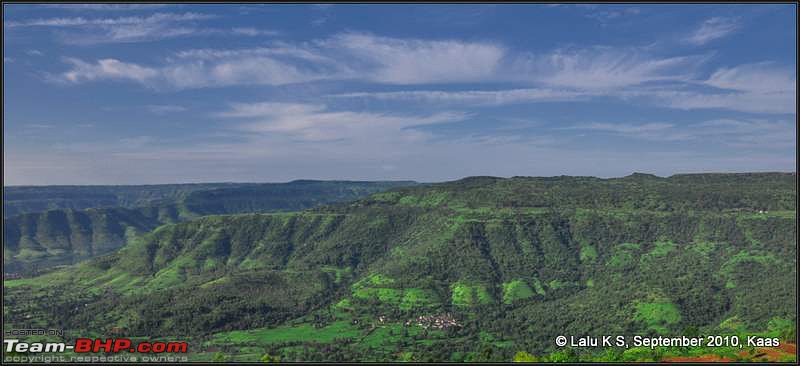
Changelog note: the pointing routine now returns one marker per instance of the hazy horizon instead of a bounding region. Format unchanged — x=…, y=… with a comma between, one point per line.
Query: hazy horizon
x=169, y=94
x=395, y=180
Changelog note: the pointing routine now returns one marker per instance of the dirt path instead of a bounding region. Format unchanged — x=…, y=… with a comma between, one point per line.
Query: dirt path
x=772, y=353
x=762, y=354
x=789, y=348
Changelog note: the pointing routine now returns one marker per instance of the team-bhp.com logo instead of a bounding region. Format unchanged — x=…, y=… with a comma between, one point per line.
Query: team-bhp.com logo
x=86, y=345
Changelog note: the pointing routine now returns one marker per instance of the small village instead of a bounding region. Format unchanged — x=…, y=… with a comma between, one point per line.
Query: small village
x=441, y=321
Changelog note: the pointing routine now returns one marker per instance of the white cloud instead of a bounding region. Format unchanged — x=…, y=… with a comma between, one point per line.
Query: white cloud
x=204, y=71
x=255, y=70
x=712, y=29
x=253, y=32
x=414, y=61
x=80, y=21
x=736, y=101
x=132, y=33
x=756, y=77
x=627, y=128
x=475, y=97
x=320, y=21
x=756, y=88
x=315, y=122
x=107, y=69
x=599, y=68
x=350, y=56
x=121, y=29
x=104, y=7
x=606, y=16
x=277, y=49
x=270, y=109
x=165, y=108
x=562, y=75
x=372, y=58
x=34, y=52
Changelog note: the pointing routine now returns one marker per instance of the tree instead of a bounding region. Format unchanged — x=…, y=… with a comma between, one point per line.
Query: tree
x=267, y=358
x=565, y=355
x=523, y=356
x=219, y=357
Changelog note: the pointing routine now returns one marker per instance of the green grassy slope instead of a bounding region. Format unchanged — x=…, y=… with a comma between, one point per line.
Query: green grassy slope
x=515, y=261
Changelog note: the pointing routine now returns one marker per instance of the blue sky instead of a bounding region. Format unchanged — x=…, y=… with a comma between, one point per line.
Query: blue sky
x=134, y=94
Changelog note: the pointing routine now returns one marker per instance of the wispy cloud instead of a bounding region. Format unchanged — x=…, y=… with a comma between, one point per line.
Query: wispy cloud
x=565, y=74
x=599, y=68
x=120, y=29
x=605, y=17
x=277, y=49
x=322, y=14
x=755, y=77
x=206, y=69
x=315, y=122
x=744, y=102
x=80, y=21
x=253, y=32
x=475, y=97
x=758, y=88
x=104, y=7
x=414, y=61
x=107, y=69
x=626, y=128
x=165, y=108
x=34, y=52
x=349, y=56
x=712, y=29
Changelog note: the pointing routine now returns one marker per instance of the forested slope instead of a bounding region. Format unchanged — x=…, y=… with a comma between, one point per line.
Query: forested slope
x=63, y=236
x=515, y=261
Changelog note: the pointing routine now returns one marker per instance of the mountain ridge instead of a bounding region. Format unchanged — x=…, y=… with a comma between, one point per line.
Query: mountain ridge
x=63, y=236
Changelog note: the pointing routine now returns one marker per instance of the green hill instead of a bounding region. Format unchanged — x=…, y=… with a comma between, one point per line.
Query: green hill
x=64, y=236
x=515, y=262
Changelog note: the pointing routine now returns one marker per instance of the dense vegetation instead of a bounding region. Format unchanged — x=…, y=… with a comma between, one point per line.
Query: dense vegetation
x=34, y=241
x=515, y=262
